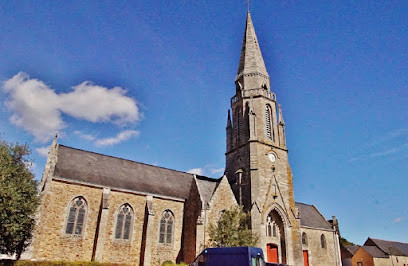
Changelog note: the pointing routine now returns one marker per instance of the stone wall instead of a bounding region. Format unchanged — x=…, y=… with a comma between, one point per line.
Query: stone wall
x=124, y=251
x=192, y=211
x=317, y=254
x=50, y=241
x=163, y=252
x=222, y=199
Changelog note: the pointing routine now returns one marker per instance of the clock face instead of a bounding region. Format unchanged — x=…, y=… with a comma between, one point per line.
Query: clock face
x=272, y=157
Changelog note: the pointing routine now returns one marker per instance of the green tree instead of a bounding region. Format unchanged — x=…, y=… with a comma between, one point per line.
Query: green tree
x=232, y=229
x=345, y=242
x=18, y=198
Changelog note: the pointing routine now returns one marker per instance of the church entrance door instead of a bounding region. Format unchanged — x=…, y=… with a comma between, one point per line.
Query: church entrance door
x=305, y=258
x=272, y=253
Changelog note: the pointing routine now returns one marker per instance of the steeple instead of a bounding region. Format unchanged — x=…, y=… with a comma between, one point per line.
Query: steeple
x=251, y=62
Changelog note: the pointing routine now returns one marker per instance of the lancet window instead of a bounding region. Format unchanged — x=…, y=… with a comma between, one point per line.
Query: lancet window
x=76, y=216
x=270, y=133
x=166, y=227
x=124, y=222
x=304, y=239
x=323, y=241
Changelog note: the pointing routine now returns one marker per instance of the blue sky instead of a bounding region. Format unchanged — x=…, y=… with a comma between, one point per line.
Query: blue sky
x=151, y=81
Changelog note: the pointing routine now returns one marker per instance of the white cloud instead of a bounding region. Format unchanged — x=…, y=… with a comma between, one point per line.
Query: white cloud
x=217, y=171
x=84, y=136
x=31, y=166
x=392, y=135
x=43, y=151
x=398, y=220
x=196, y=171
x=390, y=151
x=37, y=108
x=122, y=136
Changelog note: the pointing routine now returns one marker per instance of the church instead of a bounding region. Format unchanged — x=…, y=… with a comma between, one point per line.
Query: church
x=96, y=207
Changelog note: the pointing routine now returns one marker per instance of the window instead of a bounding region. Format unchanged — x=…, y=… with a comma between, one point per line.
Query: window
x=239, y=124
x=76, y=216
x=304, y=239
x=270, y=133
x=124, y=222
x=323, y=241
x=270, y=227
x=166, y=227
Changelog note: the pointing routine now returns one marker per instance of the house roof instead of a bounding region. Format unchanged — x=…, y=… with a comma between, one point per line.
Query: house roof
x=311, y=217
x=374, y=252
x=352, y=249
x=389, y=247
x=348, y=251
x=99, y=169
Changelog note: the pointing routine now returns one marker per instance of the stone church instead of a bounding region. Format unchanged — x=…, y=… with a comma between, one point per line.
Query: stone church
x=97, y=207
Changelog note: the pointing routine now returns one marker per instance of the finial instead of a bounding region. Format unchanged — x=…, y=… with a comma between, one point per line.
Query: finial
x=247, y=3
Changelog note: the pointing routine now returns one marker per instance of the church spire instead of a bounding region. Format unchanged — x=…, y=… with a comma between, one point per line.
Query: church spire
x=251, y=61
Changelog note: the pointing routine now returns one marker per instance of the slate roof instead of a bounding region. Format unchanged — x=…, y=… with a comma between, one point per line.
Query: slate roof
x=374, y=252
x=389, y=247
x=99, y=169
x=347, y=252
x=206, y=187
x=352, y=249
x=311, y=217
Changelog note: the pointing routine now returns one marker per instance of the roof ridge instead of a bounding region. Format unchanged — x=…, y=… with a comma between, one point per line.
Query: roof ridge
x=126, y=160
x=388, y=240
x=324, y=218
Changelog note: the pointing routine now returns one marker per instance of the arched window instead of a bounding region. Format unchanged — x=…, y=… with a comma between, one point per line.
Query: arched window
x=270, y=133
x=124, y=222
x=323, y=241
x=76, y=216
x=268, y=226
x=304, y=239
x=166, y=227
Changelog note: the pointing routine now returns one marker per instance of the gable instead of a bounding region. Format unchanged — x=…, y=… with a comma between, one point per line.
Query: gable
x=206, y=187
x=223, y=195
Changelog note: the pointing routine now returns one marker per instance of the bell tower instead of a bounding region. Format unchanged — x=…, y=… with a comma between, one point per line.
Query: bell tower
x=257, y=165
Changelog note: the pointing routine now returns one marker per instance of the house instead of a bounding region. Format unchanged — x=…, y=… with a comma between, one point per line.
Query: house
x=381, y=252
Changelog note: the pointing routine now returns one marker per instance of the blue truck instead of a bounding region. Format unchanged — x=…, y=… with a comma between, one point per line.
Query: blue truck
x=231, y=256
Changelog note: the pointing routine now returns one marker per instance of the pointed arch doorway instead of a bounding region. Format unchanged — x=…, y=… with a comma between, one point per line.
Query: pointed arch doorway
x=276, y=244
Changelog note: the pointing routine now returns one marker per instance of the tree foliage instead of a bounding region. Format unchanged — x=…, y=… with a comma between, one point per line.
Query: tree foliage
x=345, y=242
x=232, y=229
x=18, y=198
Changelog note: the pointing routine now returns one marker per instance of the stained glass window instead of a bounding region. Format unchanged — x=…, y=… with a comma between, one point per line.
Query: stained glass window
x=76, y=216
x=124, y=222
x=166, y=227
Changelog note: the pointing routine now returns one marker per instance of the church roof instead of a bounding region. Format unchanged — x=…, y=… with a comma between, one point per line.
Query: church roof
x=206, y=187
x=389, y=247
x=99, y=169
x=311, y=217
x=251, y=60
